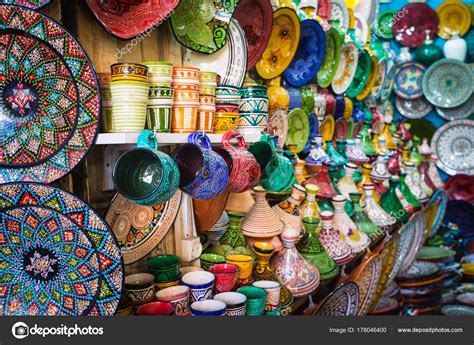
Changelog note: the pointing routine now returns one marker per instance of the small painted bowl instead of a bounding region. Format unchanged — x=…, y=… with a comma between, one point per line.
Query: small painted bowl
x=200, y=283
x=235, y=301
x=256, y=300
x=245, y=264
x=209, y=260
x=224, y=122
x=129, y=71
x=208, y=308
x=165, y=268
x=178, y=296
x=139, y=287
x=156, y=309
x=226, y=276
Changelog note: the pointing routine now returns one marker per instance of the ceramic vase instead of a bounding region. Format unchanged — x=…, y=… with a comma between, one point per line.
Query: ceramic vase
x=455, y=48
x=428, y=53
x=322, y=180
x=233, y=236
x=332, y=242
x=376, y=213
x=362, y=220
x=289, y=209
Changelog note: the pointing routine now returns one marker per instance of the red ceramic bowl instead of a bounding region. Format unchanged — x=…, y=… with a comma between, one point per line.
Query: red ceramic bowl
x=156, y=309
x=226, y=276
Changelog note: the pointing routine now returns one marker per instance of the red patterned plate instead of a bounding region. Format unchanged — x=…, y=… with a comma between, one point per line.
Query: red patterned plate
x=341, y=129
x=256, y=18
x=411, y=23
x=324, y=9
x=129, y=18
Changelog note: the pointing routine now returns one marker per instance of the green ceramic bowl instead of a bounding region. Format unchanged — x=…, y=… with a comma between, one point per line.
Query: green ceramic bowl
x=209, y=260
x=165, y=268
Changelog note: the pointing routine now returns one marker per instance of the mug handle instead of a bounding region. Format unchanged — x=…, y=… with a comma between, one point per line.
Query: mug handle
x=200, y=139
x=233, y=134
x=147, y=139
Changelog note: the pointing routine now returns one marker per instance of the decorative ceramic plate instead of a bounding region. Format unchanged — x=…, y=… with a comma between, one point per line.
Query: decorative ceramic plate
x=368, y=9
x=298, y=129
x=341, y=129
x=457, y=310
x=448, y=83
x=343, y=301
x=362, y=29
x=282, y=45
x=201, y=25
x=50, y=102
x=409, y=80
x=139, y=229
x=340, y=13
x=419, y=271
x=362, y=74
x=324, y=9
x=413, y=21
x=367, y=280
x=349, y=58
x=387, y=87
x=331, y=58
x=327, y=128
x=33, y=4
x=418, y=222
x=454, y=145
x=313, y=131
x=413, y=108
x=377, y=89
x=83, y=216
x=384, y=24
x=440, y=197
x=374, y=71
x=309, y=56
x=466, y=299
x=278, y=121
x=458, y=113
x=350, y=128
x=386, y=306
x=434, y=254
x=454, y=16
x=257, y=26
x=230, y=62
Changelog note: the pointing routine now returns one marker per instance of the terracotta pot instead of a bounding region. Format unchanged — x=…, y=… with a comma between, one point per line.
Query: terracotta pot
x=240, y=202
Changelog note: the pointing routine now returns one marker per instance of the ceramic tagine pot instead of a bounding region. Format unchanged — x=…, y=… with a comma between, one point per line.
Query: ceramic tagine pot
x=433, y=172
x=406, y=194
x=261, y=223
x=376, y=213
x=317, y=156
x=346, y=184
x=428, y=53
x=362, y=220
x=455, y=48
x=239, y=202
x=309, y=207
x=413, y=181
x=337, y=159
x=332, y=242
x=392, y=204
x=366, y=179
x=425, y=176
x=355, y=154
x=386, y=134
x=233, y=236
x=393, y=163
x=289, y=209
x=383, y=147
x=312, y=250
x=343, y=224
x=291, y=269
x=322, y=180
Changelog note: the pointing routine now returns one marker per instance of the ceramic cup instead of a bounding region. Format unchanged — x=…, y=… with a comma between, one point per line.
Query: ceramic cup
x=139, y=288
x=256, y=300
x=159, y=72
x=184, y=117
x=178, y=296
x=156, y=309
x=206, y=110
x=200, y=284
x=190, y=160
x=224, y=122
x=129, y=71
x=165, y=268
x=245, y=264
x=227, y=95
x=163, y=285
x=253, y=109
x=188, y=269
x=207, y=83
x=160, y=102
x=208, y=308
x=185, y=75
x=129, y=103
x=145, y=175
x=236, y=303
x=226, y=276
x=208, y=260
x=273, y=289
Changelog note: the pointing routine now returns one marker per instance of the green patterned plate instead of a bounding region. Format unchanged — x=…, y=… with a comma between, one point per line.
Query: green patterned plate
x=434, y=253
x=298, y=129
x=384, y=23
x=331, y=58
x=361, y=76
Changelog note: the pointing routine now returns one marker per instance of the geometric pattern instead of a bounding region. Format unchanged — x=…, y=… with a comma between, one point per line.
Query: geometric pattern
x=33, y=4
x=77, y=211
x=49, y=99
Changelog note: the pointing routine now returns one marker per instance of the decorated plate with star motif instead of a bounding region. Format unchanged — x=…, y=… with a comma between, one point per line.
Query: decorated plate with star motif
x=33, y=4
x=49, y=103
x=17, y=195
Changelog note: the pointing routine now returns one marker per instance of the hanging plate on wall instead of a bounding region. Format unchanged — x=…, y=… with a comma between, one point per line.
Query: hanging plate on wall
x=330, y=63
x=50, y=106
x=409, y=79
x=33, y=4
x=412, y=22
x=454, y=16
x=413, y=108
x=458, y=113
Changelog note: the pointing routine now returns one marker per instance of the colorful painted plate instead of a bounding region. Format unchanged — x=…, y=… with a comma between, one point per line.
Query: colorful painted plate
x=413, y=108
x=374, y=71
x=327, y=128
x=458, y=113
x=257, y=26
x=282, y=45
x=138, y=238
x=95, y=228
x=454, y=16
x=454, y=143
x=362, y=74
x=350, y=128
x=457, y=310
x=278, y=122
x=387, y=87
x=419, y=271
x=368, y=9
x=418, y=222
x=201, y=25
x=324, y=9
x=384, y=24
x=409, y=80
x=341, y=129
x=343, y=301
x=33, y=4
x=367, y=279
x=340, y=13
x=377, y=89
x=466, y=299
x=448, y=83
x=127, y=19
x=331, y=58
x=309, y=56
x=50, y=106
x=362, y=29
x=434, y=254
x=413, y=21
x=298, y=129
x=230, y=62
x=346, y=70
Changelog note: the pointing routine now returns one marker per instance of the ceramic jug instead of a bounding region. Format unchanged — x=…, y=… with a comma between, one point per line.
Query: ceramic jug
x=455, y=48
x=428, y=53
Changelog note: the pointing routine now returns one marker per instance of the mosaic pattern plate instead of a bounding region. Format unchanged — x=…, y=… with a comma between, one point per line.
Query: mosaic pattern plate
x=33, y=4
x=454, y=145
x=448, y=83
x=347, y=68
x=230, y=62
x=362, y=75
x=50, y=104
x=413, y=108
x=413, y=21
x=417, y=222
x=129, y=18
x=139, y=229
x=419, y=271
x=457, y=113
x=298, y=129
x=340, y=13
x=201, y=25
x=367, y=280
x=409, y=80
x=343, y=301
x=454, y=16
x=77, y=211
x=328, y=69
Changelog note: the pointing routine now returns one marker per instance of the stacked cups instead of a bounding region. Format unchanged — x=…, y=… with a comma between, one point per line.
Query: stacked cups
x=106, y=116
x=253, y=110
x=227, y=109
x=186, y=99
x=207, y=100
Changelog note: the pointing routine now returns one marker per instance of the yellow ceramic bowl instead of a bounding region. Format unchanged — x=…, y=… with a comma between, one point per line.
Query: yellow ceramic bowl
x=245, y=264
x=161, y=286
x=224, y=122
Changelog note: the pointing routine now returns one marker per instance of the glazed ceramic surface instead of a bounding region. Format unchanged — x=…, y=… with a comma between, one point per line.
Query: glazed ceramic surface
x=50, y=114
x=413, y=108
x=340, y=13
x=409, y=29
x=454, y=17
x=230, y=62
x=278, y=122
x=298, y=129
x=330, y=63
x=367, y=280
x=347, y=68
x=384, y=24
x=408, y=82
x=362, y=75
x=343, y=301
x=362, y=29
x=457, y=113
x=453, y=144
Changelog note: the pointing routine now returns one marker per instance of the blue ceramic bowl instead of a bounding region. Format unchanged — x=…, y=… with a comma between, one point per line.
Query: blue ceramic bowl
x=208, y=307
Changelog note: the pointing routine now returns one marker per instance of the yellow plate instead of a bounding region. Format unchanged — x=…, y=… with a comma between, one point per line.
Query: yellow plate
x=327, y=129
x=374, y=71
x=282, y=45
x=454, y=16
x=351, y=18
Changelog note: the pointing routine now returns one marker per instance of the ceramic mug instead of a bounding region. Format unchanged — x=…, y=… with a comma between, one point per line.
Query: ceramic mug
x=165, y=268
x=159, y=72
x=185, y=75
x=208, y=308
x=256, y=300
x=129, y=71
x=156, y=309
x=245, y=264
x=226, y=276
x=200, y=284
x=236, y=303
x=263, y=153
x=145, y=175
x=139, y=288
x=158, y=118
x=208, y=260
x=273, y=289
x=184, y=118
x=224, y=122
x=178, y=296
x=213, y=176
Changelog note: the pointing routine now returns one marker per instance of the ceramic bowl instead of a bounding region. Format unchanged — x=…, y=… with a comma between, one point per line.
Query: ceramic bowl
x=165, y=268
x=200, y=283
x=236, y=303
x=129, y=71
x=178, y=296
x=139, y=288
x=208, y=308
x=256, y=300
x=209, y=260
x=224, y=122
x=226, y=276
x=156, y=309
x=245, y=264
